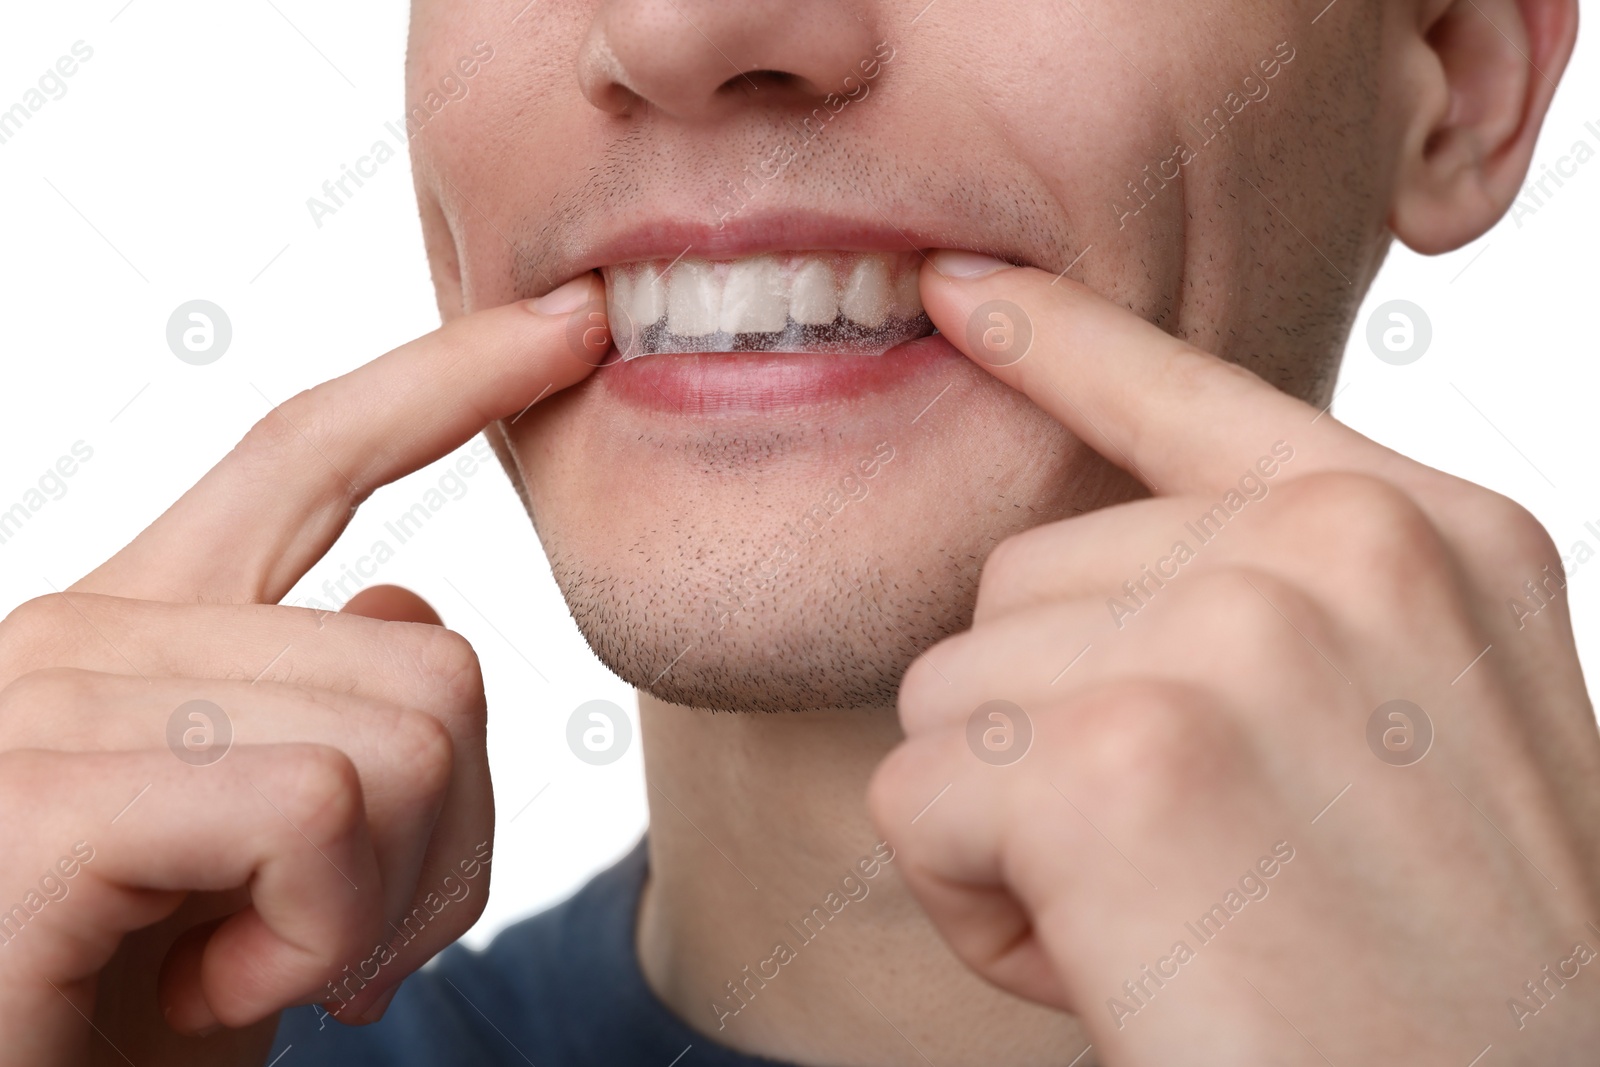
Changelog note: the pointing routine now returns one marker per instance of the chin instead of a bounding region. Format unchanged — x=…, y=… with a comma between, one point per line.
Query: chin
x=794, y=557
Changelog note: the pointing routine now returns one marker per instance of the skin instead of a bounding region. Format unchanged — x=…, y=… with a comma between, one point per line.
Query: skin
x=977, y=182
x=1004, y=922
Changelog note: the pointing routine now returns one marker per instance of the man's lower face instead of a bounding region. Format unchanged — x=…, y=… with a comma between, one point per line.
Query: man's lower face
x=797, y=544
x=788, y=529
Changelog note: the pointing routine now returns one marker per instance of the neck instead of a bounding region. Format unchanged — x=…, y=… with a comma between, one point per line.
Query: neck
x=774, y=919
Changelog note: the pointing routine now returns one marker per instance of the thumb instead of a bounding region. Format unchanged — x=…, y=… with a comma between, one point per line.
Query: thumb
x=391, y=603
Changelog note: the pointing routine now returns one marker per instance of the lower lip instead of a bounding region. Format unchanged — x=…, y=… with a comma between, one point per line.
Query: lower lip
x=706, y=384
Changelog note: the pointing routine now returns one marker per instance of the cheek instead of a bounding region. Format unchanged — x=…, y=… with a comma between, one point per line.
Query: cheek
x=472, y=161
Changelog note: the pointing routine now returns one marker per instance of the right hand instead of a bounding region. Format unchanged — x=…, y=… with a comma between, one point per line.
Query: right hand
x=358, y=779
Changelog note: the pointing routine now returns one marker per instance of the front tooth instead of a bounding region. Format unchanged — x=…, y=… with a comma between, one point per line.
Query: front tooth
x=647, y=296
x=865, y=298
x=812, y=298
x=619, y=290
x=693, y=299
x=907, y=297
x=753, y=298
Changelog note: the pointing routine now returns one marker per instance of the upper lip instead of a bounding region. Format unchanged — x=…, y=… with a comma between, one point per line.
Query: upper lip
x=755, y=232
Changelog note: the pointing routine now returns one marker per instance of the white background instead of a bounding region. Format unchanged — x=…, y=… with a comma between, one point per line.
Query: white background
x=177, y=166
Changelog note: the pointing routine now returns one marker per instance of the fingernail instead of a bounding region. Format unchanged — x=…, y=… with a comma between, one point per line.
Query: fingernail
x=375, y=1011
x=569, y=297
x=953, y=263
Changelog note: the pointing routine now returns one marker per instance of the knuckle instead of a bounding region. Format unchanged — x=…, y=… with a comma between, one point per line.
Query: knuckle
x=444, y=660
x=454, y=661
x=1024, y=569
x=440, y=656
x=24, y=693
x=37, y=696
x=894, y=790
x=322, y=798
x=1149, y=747
x=423, y=746
x=33, y=624
x=273, y=432
x=1341, y=500
x=472, y=908
x=924, y=689
x=41, y=613
x=1006, y=567
x=299, y=425
x=285, y=426
x=1521, y=537
x=1258, y=613
x=1376, y=528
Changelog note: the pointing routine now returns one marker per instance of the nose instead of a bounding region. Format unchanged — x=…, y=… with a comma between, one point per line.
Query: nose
x=698, y=59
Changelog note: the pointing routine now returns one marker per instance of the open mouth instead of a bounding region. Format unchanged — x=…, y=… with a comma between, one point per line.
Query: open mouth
x=843, y=303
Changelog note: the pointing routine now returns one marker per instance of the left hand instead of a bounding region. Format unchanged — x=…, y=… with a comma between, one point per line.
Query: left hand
x=1202, y=752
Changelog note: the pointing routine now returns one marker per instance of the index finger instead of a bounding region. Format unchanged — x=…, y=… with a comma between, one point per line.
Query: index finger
x=1177, y=418
x=261, y=517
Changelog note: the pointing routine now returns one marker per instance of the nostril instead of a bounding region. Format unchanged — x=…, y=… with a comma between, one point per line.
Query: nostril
x=704, y=60
x=757, y=80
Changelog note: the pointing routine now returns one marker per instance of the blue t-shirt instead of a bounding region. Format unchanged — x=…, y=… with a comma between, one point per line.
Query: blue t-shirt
x=562, y=989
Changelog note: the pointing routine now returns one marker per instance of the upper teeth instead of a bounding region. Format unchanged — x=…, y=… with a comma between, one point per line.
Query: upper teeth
x=692, y=300
x=754, y=298
x=812, y=297
x=765, y=294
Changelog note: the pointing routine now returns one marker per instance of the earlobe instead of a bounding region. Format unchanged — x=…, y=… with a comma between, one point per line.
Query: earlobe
x=1489, y=71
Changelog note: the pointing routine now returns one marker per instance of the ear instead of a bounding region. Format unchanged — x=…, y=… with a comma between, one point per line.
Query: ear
x=1488, y=69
